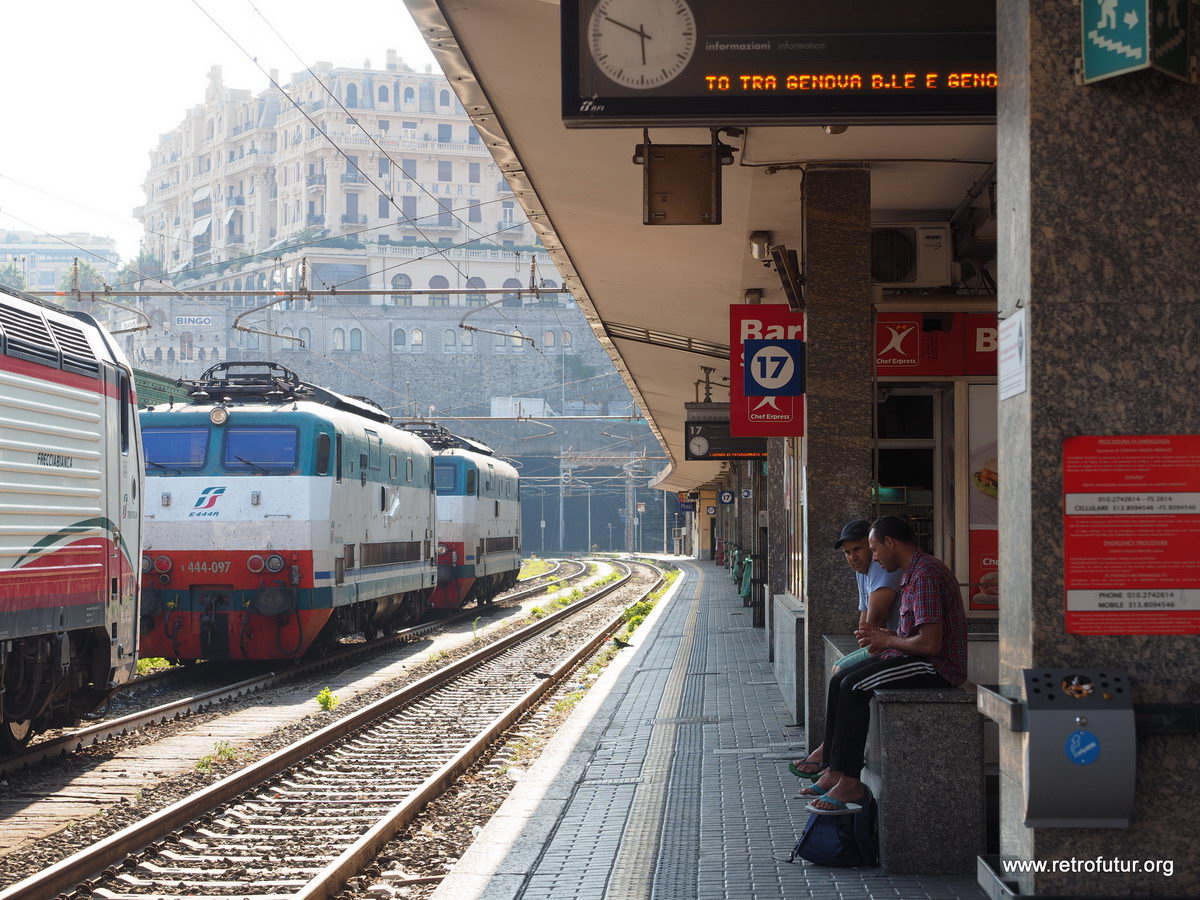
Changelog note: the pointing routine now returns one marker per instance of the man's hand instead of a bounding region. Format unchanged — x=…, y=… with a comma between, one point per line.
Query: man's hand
x=874, y=638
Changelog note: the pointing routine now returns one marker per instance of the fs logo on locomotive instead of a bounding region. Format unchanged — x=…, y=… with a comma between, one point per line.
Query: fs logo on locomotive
x=206, y=501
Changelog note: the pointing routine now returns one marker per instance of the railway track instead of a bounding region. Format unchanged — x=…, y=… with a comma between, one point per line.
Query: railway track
x=99, y=732
x=301, y=821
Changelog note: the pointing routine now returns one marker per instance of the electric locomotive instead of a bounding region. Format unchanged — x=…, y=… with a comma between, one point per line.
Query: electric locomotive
x=479, y=519
x=70, y=517
x=281, y=514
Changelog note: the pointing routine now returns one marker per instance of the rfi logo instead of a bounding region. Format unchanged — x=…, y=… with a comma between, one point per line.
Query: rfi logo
x=208, y=497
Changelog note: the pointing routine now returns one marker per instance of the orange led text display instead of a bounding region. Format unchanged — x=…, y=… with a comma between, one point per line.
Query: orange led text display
x=851, y=81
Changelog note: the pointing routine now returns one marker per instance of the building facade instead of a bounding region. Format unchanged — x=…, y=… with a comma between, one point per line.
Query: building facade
x=39, y=262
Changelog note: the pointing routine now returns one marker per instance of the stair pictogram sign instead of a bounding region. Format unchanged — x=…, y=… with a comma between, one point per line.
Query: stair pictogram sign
x=1121, y=36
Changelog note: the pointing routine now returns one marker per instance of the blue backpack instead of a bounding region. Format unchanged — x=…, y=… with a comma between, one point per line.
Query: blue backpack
x=843, y=841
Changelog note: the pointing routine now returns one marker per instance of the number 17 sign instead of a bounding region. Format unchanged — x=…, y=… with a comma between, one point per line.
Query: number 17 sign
x=766, y=385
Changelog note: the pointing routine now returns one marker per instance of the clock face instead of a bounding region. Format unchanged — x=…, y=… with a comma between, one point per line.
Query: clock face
x=698, y=446
x=642, y=43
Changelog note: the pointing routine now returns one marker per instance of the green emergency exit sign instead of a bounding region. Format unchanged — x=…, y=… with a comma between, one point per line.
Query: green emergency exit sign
x=1121, y=36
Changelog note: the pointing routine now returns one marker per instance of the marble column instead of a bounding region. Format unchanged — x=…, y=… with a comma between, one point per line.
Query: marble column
x=837, y=211
x=1098, y=243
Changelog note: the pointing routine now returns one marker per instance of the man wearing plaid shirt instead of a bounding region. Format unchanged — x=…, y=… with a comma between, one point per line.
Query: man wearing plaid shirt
x=927, y=650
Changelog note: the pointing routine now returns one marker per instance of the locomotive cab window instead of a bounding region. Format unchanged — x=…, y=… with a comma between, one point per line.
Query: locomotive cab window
x=408, y=469
x=261, y=449
x=470, y=482
x=444, y=474
x=322, y=454
x=170, y=451
x=392, y=467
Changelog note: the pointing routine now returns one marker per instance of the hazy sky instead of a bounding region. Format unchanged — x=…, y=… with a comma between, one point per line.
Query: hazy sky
x=88, y=88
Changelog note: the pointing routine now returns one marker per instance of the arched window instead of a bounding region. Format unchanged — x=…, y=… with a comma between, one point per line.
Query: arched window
x=444, y=98
x=287, y=332
x=383, y=94
x=516, y=341
x=448, y=340
x=402, y=283
x=475, y=299
x=409, y=96
x=500, y=342
x=352, y=95
x=170, y=354
x=200, y=354
x=399, y=338
x=513, y=284
x=339, y=339
x=158, y=354
x=355, y=339
x=439, y=283
x=216, y=355
x=237, y=284
x=467, y=339
x=548, y=339
x=418, y=339
x=251, y=340
x=566, y=339
x=305, y=336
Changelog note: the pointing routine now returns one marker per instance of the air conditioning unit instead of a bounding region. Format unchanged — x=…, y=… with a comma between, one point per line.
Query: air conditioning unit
x=911, y=255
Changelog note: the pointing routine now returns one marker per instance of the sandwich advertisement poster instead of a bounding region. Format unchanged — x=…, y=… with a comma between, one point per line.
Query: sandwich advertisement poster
x=984, y=493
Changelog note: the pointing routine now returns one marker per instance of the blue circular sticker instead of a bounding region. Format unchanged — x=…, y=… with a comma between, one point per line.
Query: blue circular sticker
x=1083, y=748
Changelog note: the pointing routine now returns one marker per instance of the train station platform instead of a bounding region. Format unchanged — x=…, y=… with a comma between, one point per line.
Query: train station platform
x=669, y=780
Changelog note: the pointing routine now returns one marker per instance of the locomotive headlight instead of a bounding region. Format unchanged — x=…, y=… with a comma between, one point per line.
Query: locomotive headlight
x=255, y=564
x=441, y=549
x=162, y=564
x=147, y=565
x=275, y=563
x=219, y=415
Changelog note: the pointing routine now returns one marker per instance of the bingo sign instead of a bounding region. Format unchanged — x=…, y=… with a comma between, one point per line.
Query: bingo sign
x=1131, y=534
x=766, y=387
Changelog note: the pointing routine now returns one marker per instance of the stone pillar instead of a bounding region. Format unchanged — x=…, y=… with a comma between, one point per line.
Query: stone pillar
x=837, y=211
x=1098, y=236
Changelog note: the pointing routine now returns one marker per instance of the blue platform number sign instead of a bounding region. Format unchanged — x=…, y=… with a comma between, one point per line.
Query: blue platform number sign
x=773, y=368
x=725, y=497
x=1083, y=748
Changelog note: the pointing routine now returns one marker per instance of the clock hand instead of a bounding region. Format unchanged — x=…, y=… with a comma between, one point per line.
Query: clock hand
x=645, y=37
x=638, y=31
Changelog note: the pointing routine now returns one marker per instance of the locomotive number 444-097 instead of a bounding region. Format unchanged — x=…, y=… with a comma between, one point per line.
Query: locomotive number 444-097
x=215, y=568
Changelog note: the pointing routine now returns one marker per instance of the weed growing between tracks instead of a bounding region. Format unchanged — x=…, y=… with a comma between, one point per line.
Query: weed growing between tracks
x=223, y=754
x=148, y=664
x=327, y=699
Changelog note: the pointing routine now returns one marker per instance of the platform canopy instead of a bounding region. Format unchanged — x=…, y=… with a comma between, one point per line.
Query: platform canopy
x=583, y=195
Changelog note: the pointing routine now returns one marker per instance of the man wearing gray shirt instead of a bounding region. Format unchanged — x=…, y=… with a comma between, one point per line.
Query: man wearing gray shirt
x=877, y=592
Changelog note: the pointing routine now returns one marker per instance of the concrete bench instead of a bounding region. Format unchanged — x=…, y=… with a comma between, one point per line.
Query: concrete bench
x=925, y=766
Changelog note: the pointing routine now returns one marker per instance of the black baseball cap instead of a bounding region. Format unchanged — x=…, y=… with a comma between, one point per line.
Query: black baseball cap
x=853, y=531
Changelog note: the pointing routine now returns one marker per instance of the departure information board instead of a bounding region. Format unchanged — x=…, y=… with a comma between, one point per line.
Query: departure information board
x=716, y=62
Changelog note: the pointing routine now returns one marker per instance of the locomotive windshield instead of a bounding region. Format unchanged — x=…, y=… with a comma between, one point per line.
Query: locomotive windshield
x=174, y=450
x=444, y=476
x=262, y=449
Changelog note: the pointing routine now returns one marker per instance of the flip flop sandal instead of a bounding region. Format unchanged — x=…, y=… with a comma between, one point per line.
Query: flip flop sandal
x=842, y=807
x=816, y=793
x=811, y=776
